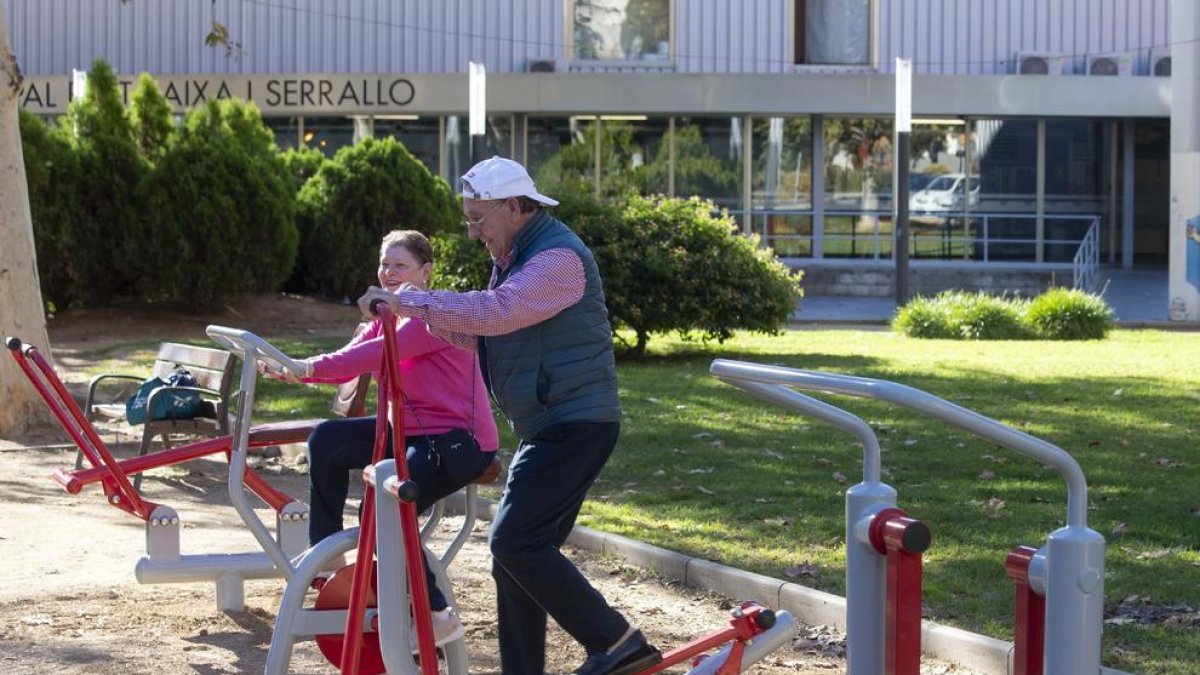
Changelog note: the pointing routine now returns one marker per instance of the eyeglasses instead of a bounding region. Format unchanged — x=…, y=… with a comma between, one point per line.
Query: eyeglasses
x=468, y=223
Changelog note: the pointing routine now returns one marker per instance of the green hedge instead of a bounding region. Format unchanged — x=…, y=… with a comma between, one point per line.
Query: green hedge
x=220, y=207
x=1057, y=314
x=128, y=207
x=344, y=210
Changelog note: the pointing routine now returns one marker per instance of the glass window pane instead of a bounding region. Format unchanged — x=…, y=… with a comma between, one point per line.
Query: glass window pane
x=418, y=134
x=858, y=164
x=781, y=174
x=1004, y=156
x=328, y=134
x=790, y=235
x=860, y=235
x=497, y=141
x=708, y=159
x=286, y=130
x=634, y=154
x=837, y=31
x=561, y=150
x=1078, y=185
x=622, y=30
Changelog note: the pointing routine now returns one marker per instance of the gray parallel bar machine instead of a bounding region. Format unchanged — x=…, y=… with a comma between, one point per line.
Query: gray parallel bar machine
x=1068, y=569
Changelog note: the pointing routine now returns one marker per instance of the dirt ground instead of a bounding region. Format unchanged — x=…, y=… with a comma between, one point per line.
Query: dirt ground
x=69, y=602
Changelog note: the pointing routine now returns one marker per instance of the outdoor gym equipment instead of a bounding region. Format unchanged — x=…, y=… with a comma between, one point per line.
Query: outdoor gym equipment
x=163, y=562
x=360, y=619
x=1068, y=571
x=372, y=601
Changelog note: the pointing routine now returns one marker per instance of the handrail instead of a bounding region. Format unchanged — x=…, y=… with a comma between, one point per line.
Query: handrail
x=251, y=349
x=928, y=404
x=1086, y=263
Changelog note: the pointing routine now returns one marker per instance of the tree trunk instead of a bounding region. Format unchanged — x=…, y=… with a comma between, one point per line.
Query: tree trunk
x=21, y=308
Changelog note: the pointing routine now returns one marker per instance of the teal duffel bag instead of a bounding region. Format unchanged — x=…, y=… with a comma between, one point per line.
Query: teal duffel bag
x=168, y=405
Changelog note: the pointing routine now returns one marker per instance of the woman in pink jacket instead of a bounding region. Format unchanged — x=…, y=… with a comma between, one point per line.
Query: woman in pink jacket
x=449, y=429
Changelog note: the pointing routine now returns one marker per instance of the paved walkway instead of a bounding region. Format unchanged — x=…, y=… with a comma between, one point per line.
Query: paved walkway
x=1137, y=297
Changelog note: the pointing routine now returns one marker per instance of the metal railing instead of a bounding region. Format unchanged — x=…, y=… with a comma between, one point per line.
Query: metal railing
x=951, y=239
x=1086, y=265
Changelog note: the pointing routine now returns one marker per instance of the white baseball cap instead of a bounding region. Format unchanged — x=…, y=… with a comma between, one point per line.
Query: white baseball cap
x=500, y=178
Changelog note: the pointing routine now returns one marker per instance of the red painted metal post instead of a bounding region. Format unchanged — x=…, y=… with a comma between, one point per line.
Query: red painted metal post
x=902, y=540
x=1029, y=624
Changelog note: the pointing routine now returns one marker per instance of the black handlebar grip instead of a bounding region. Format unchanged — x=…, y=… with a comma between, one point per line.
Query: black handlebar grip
x=765, y=619
x=13, y=343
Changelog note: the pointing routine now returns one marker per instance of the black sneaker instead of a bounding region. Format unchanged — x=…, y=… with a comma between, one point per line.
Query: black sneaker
x=630, y=656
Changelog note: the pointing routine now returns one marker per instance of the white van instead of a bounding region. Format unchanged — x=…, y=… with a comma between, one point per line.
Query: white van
x=944, y=193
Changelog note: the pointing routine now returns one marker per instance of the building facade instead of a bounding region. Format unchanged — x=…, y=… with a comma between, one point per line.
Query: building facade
x=1035, y=122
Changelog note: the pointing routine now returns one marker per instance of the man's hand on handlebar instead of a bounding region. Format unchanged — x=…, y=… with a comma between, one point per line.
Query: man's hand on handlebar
x=376, y=294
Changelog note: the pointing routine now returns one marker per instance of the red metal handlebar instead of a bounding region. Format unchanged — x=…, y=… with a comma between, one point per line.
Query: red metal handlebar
x=1029, y=626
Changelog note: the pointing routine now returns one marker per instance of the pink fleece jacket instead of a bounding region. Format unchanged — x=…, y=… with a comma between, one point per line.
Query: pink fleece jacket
x=437, y=378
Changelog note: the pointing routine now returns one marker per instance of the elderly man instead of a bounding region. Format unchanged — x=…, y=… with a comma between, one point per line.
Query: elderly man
x=542, y=333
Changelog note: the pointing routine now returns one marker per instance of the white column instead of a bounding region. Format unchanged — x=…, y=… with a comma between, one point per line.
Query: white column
x=1184, y=269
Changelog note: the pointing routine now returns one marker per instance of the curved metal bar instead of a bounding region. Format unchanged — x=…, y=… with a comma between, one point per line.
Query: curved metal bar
x=872, y=464
x=915, y=399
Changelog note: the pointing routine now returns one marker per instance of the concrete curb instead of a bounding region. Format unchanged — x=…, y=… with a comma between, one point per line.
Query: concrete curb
x=969, y=650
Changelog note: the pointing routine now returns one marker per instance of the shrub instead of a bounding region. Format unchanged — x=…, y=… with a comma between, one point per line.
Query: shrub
x=924, y=317
x=153, y=127
x=962, y=315
x=105, y=244
x=52, y=173
x=1062, y=314
x=220, y=205
x=979, y=316
x=303, y=163
x=461, y=264
x=345, y=209
x=672, y=265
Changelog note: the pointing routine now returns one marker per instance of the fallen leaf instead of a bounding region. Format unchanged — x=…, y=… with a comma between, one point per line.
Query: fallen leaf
x=1118, y=392
x=701, y=471
x=802, y=570
x=1120, y=529
x=987, y=475
x=706, y=490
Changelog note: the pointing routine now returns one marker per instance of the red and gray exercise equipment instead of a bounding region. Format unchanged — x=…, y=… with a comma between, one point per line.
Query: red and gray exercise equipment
x=164, y=562
x=1069, y=567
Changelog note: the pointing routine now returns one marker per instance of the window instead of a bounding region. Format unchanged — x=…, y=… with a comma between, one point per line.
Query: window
x=832, y=32
x=621, y=30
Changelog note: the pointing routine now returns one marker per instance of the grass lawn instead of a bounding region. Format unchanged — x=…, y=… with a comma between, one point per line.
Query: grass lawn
x=705, y=469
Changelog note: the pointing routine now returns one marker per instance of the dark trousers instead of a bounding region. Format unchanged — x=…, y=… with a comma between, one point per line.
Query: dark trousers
x=337, y=447
x=547, y=482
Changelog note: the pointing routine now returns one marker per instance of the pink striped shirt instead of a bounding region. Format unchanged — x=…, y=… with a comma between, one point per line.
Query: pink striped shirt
x=548, y=283
x=442, y=384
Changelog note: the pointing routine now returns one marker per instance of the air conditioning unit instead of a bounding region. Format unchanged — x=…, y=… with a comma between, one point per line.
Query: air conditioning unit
x=1038, y=63
x=543, y=66
x=1160, y=61
x=1110, y=64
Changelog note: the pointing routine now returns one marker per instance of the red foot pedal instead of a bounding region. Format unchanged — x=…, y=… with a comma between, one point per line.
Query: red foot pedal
x=335, y=594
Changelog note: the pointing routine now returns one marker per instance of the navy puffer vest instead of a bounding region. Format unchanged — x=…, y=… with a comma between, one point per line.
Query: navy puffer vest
x=562, y=369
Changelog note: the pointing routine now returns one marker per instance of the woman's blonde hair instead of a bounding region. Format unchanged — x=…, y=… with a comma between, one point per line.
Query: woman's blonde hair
x=415, y=242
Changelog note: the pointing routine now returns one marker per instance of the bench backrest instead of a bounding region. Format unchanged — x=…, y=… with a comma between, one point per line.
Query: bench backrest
x=212, y=368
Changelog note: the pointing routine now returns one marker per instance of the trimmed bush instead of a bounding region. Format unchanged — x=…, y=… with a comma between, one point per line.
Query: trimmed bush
x=671, y=265
x=303, y=163
x=220, y=208
x=1057, y=314
x=52, y=172
x=105, y=243
x=964, y=316
x=925, y=317
x=1063, y=314
x=461, y=264
x=345, y=209
x=153, y=127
